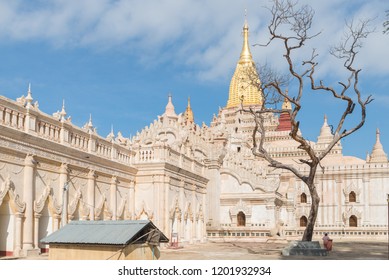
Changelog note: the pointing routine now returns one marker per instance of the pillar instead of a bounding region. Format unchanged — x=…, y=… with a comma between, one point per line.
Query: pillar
x=366, y=200
x=339, y=202
x=181, y=228
x=28, y=197
x=56, y=222
x=167, y=223
x=132, y=200
x=213, y=195
x=36, y=230
x=194, y=207
x=91, y=194
x=114, y=182
x=18, y=234
x=203, y=221
x=64, y=192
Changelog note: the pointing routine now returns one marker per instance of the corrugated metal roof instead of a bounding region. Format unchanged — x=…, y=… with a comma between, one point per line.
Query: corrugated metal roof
x=100, y=232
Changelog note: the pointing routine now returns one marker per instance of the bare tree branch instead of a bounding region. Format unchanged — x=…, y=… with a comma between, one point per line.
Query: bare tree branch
x=291, y=25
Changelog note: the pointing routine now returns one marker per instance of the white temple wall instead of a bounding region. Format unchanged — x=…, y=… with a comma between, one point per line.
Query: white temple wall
x=260, y=215
x=225, y=217
x=230, y=184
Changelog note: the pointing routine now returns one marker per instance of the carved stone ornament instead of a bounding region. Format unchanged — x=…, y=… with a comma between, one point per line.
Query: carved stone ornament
x=175, y=212
x=302, y=212
x=350, y=212
x=73, y=204
x=122, y=206
x=103, y=206
x=241, y=206
x=54, y=206
x=17, y=206
x=40, y=203
x=144, y=211
x=188, y=213
x=351, y=188
x=200, y=214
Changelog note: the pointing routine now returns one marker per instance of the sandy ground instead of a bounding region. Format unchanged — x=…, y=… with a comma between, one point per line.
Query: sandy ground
x=350, y=250
x=272, y=251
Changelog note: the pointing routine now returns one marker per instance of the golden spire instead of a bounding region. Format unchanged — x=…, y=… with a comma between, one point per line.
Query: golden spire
x=189, y=118
x=245, y=55
x=245, y=81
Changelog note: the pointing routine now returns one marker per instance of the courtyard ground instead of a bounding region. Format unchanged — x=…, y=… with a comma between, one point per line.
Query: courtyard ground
x=342, y=250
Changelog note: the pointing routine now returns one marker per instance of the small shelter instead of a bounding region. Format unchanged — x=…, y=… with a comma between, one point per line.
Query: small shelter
x=106, y=240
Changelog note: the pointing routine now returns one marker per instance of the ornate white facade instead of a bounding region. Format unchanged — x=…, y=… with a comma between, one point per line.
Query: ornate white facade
x=194, y=182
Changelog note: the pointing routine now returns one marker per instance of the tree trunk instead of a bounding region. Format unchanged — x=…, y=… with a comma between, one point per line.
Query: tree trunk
x=308, y=233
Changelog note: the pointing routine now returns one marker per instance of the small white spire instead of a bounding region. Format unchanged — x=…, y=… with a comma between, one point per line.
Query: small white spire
x=90, y=124
x=62, y=114
x=63, y=111
x=29, y=98
x=169, y=110
x=325, y=133
x=378, y=154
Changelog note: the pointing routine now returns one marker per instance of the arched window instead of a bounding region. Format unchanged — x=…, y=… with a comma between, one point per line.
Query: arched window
x=352, y=197
x=241, y=219
x=303, y=198
x=353, y=221
x=303, y=221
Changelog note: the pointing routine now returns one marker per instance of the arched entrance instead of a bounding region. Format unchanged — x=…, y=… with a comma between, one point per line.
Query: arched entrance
x=303, y=198
x=352, y=197
x=241, y=219
x=303, y=221
x=353, y=221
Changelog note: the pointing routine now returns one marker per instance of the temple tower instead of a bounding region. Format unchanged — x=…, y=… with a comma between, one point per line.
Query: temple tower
x=245, y=81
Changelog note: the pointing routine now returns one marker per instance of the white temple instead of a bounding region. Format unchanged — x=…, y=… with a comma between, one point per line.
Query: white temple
x=196, y=183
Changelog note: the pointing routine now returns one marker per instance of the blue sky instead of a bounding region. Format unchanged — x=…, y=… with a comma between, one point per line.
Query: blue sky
x=119, y=60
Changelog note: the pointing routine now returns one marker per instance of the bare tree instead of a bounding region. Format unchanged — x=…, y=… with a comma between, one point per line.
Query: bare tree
x=291, y=25
x=386, y=23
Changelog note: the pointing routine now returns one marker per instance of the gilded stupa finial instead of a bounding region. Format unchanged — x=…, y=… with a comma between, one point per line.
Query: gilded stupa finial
x=245, y=55
x=189, y=113
x=243, y=89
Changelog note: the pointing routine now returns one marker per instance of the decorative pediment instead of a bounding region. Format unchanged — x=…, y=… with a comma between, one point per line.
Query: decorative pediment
x=54, y=206
x=103, y=207
x=200, y=214
x=302, y=212
x=175, y=212
x=188, y=213
x=84, y=210
x=144, y=211
x=351, y=188
x=121, y=208
x=241, y=207
x=73, y=204
x=351, y=211
x=40, y=203
x=8, y=187
x=302, y=188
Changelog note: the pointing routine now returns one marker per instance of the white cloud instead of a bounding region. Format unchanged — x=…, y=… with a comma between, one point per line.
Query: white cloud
x=202, y=35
